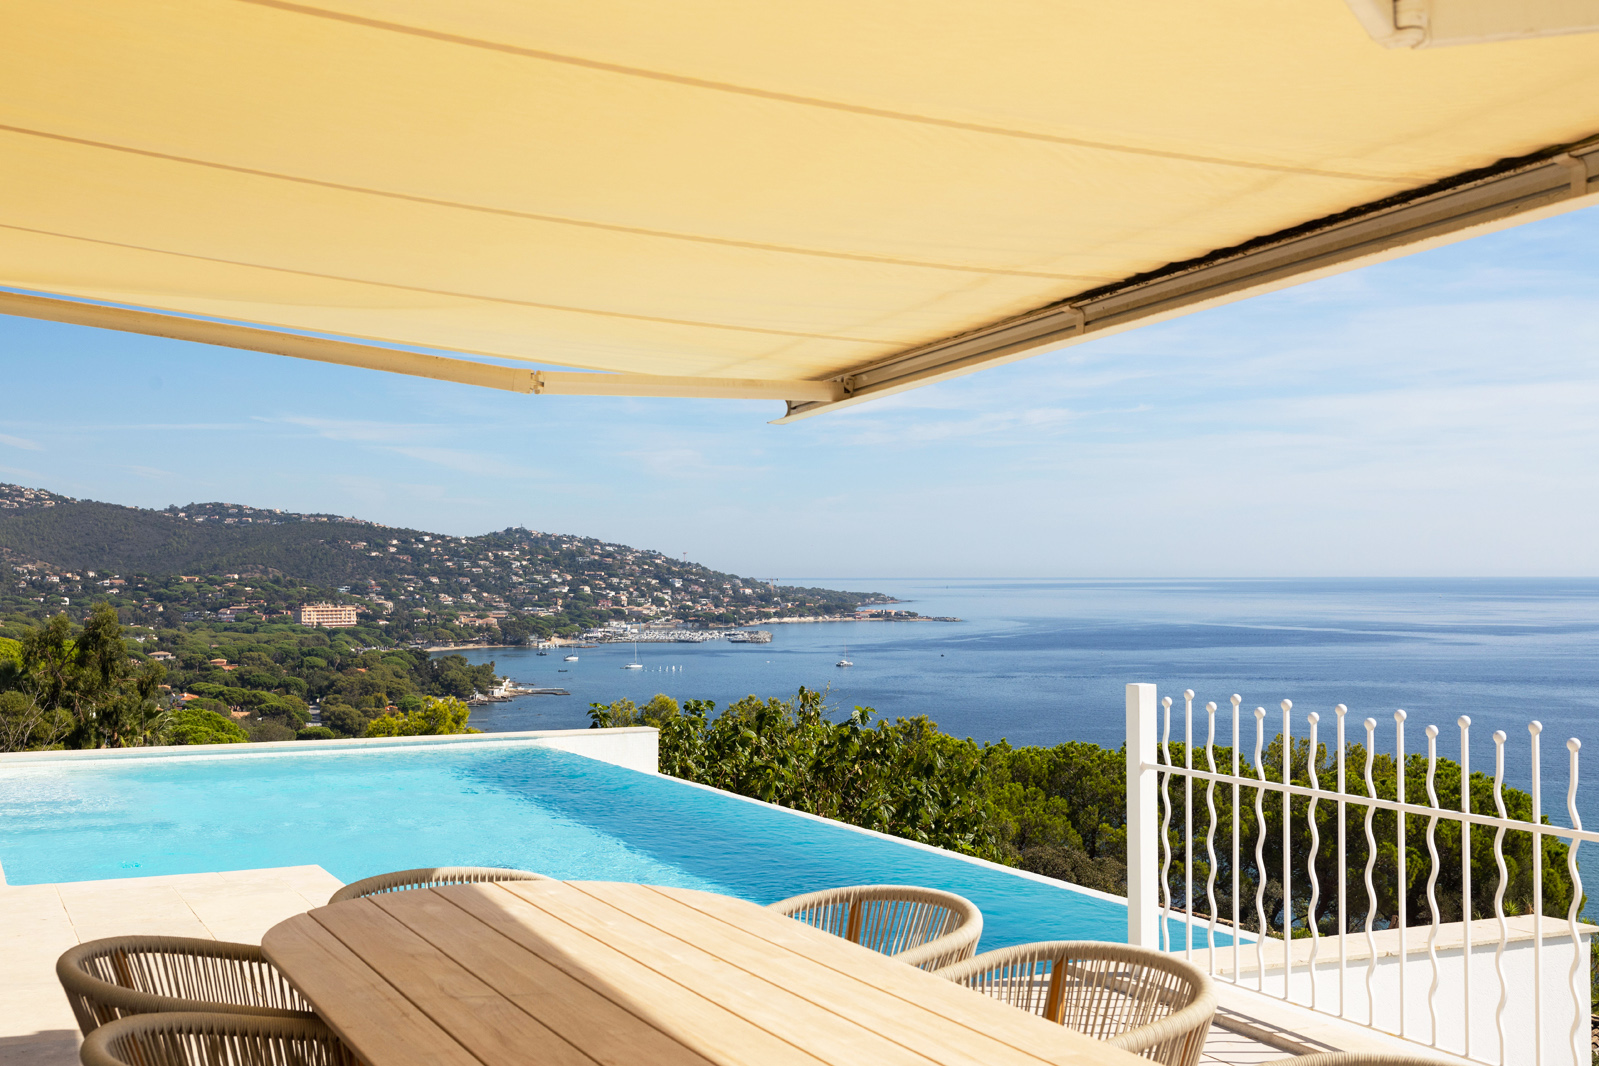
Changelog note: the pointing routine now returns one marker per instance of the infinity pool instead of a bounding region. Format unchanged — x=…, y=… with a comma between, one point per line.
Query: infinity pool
x=491, y=803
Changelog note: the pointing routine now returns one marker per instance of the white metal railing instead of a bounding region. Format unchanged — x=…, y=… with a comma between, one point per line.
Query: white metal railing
x=1511, y=996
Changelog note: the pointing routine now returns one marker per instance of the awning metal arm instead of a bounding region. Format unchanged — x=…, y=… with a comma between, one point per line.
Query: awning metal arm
x=414, y=364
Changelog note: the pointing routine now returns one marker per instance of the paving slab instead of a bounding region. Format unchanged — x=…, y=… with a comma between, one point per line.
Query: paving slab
x=39, y=922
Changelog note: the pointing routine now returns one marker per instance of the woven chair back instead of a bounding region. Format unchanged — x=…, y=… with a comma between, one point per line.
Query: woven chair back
x=430, y=877
x=1355, y=1058
x=1136, y=999
x=920, y=926
x=202, y=1039
x=130, y=975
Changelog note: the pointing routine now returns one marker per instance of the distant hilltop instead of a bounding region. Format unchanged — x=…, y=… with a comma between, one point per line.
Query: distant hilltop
x=238, y=564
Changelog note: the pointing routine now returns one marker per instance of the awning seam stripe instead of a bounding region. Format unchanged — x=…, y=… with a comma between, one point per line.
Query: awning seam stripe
x=808, y=101
x=443, y=292
x=552, y=219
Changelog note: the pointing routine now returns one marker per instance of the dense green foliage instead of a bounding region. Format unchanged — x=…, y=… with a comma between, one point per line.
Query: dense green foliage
x=434, y=718
x=63, y=685
x=1062, y=811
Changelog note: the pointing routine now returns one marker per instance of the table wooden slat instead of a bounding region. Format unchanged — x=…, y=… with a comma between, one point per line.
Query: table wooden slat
x=707, y=1027
x=852, y=995
x=769, y=1004
x=608, y=974
x=386, y=1027
x=495, y=1031
x=607, y=1032
x=1045, y=1039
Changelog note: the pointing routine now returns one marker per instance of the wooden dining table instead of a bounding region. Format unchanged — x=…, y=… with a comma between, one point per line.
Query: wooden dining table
x=550, y=973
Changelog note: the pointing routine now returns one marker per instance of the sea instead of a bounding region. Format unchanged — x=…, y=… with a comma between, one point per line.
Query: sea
x=1047, y=661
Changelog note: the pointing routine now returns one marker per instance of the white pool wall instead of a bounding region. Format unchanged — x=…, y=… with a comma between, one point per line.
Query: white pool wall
x=633, y=748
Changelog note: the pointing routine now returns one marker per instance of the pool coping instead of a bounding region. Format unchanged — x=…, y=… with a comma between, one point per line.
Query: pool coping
x=278, y=747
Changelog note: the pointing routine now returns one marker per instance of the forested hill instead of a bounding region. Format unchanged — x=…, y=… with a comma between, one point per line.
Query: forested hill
x=104, y=536
x=234, y=562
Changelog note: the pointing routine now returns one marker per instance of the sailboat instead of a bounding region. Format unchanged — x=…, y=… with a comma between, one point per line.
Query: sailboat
x=845, y=660
x=571, y=658
x=635, y=664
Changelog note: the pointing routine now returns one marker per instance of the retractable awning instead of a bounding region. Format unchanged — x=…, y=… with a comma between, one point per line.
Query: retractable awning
x=817, y=202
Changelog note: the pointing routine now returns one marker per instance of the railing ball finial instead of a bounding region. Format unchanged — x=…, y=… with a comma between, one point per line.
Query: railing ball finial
x=1432, y=732
x=1535, y=727
x=1314, y=718
x=1400, y=716
x=1165, y=701
x=1464, y=721
x=1340, y=710
x=1236, y=699
x=1573, y=744
x=1500, y=736
x=1188, y=693
x=1287, y=705
x=1260, y=712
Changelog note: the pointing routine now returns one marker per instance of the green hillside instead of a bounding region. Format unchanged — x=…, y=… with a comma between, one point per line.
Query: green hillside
x=103, y=536
x=233, y=564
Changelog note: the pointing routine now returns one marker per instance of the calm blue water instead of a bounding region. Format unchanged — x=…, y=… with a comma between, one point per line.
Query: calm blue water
x=360, y=813
x=1041, y=662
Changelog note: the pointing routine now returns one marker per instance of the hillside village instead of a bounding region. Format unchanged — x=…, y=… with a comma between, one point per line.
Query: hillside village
x=226, y=563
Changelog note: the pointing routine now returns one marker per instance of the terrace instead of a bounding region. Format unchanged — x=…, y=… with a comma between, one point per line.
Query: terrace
x=837, y=205
x=226, y=845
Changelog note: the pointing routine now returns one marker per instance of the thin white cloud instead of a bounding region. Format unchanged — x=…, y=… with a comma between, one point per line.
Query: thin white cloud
x=21, y=442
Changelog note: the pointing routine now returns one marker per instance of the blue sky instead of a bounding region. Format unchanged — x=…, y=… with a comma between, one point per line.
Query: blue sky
x=1435, y=415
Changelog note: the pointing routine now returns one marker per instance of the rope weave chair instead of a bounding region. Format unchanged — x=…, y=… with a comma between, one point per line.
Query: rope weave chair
x=431, y=877
x=1142, y=1001
x=1356, y=1058
x=200, y=1039
x=921, y=927
x=132, y=975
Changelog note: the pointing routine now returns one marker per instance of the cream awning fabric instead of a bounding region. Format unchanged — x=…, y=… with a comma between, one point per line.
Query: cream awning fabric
x=726, y=190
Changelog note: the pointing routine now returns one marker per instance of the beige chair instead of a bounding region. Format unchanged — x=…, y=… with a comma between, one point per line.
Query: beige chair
x=132, y=975
x=921, y=927
x=1356, y=1058
x=431, y=877
x=1139, y=1000
x=202, y=1039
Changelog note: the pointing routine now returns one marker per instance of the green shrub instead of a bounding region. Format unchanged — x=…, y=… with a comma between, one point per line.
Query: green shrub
x=196, y=725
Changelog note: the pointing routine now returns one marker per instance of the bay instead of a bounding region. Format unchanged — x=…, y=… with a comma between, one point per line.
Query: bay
x=1046, y=661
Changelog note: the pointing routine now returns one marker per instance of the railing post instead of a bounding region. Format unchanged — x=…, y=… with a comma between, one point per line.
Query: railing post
x=1143, y=901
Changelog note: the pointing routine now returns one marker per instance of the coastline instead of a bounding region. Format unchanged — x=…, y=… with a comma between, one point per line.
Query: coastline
x=557, y=642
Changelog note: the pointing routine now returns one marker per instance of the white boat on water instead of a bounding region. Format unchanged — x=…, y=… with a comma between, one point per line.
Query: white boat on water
x=843, y=662
x=635, y=664
x=571, y=658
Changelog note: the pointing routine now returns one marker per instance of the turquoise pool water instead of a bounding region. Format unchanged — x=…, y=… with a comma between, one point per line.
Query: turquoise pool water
x=506, y=803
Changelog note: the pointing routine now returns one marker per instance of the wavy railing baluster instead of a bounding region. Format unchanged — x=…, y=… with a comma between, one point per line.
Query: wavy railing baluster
x=1210, y=836
x=1399, y=787
x=1188, y=823
x=1432, y=882
x=1499, y=892
x=1371, y=890
x=1260, y=851
x=1579, y=995
x=1236, y=700
x=1288, y=874
x=1165, y=829
x=1535, y=728
x=1310, y=861
x=1343, y=863
x=1465, y=876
